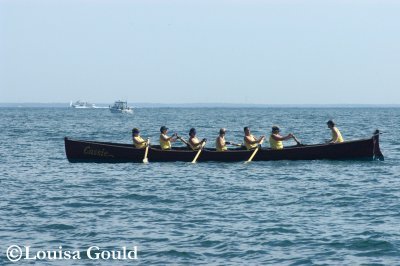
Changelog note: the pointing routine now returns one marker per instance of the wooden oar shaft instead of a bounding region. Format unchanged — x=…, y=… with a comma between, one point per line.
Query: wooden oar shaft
x=235, y=144
x=296, y=140
x=199, y=151
x=184, y=141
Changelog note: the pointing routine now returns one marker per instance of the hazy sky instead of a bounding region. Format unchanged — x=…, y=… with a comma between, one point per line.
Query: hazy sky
x=268, y=52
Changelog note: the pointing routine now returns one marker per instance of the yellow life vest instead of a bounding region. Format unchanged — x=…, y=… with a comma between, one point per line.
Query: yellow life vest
x=339, y=135
x=275, y=144
x=142, y=145
x=165, y=144
x=248, y=145
x=220, y=148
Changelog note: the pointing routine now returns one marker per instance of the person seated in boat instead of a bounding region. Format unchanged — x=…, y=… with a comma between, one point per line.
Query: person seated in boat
x=194, y=142
x=336, y=135
x=220, y=142
x=165, y=141
x=138, y=141
x=276, y=140
x=250, y=141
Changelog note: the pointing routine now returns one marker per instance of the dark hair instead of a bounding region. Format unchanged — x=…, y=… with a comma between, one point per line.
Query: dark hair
x=245, y=128
x=163, y=128
x=275, y=128
x=222, y=131
x=192, y=131
x=135, y=131
x=330, y=122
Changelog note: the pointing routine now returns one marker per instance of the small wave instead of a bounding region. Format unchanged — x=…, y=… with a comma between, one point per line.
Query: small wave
x=281, y=230
x=80, y=204
x=59, y=227
x=177, y=254
x=139, y=197
x=279, y=243
x=367, y=244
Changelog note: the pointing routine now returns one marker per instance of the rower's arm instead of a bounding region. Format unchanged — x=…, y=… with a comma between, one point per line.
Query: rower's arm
x=168, y=138
x=250, y=141
x=278, y=138
x=174, y=137
x=194, y=145
x=289, y=136
x=138, y=141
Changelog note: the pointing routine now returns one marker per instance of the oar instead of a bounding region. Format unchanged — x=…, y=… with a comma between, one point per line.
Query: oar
x=198, y=153
x=296, y=140
x=234, y=144
x=145, y=160
x=254, y=152
x=184, y=141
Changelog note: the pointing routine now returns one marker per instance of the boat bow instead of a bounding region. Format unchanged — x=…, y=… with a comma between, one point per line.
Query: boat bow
x=377, y=151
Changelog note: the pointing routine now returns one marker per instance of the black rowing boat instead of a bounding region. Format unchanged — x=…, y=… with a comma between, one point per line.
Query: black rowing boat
x=94, y=151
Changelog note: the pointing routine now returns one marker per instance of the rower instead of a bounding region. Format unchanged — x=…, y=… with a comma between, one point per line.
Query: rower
x=336, y=135
x=194, y=142
x=220, y=141
x=276, y=140
x=165, y=141
x=138, y=141
x=250, y=141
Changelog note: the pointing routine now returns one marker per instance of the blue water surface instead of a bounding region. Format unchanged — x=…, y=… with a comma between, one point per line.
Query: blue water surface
x=282, y=213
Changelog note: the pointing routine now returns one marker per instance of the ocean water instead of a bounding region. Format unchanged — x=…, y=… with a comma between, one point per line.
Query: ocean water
x=278, y=213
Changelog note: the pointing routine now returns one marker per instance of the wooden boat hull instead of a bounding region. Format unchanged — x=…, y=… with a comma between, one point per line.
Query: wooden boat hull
x=94, y=151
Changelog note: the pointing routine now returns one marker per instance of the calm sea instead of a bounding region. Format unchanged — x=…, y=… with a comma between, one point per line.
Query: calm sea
x=282, y=213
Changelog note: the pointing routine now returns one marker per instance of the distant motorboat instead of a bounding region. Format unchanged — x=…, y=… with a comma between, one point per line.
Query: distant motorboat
x=82, y=105
x=121, y=107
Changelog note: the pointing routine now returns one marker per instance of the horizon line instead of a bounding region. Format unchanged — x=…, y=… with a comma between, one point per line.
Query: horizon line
x=202, y=104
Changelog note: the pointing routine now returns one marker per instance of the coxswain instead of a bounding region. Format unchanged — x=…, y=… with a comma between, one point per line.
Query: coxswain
x=250, y=141
x=336, y=135
x=165, y=141
x=138, y=141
